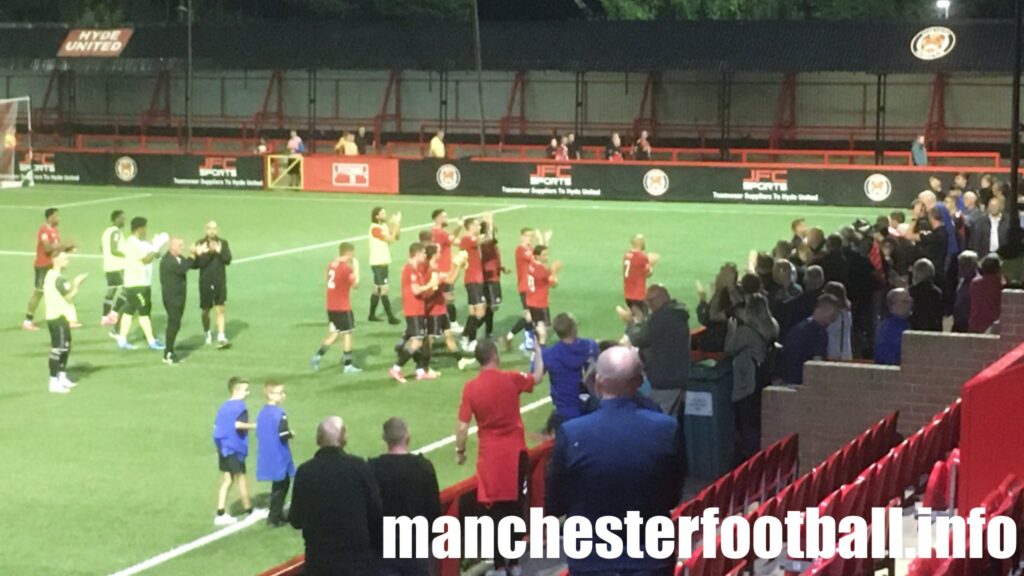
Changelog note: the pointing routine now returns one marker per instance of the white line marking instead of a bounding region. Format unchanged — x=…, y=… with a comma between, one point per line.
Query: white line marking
x=299, y=249
x=382, y=200
x=104, y=200
x=19, y=253
x=198, y=543
x=254, y=518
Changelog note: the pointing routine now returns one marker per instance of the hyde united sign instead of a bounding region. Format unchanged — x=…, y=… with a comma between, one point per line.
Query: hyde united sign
x=92, y=43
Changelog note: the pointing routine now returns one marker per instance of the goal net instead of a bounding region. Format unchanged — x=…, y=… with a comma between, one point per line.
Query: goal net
x=16, y=144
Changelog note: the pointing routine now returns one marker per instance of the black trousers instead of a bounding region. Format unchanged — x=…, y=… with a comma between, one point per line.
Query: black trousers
x=278, y=492
x=499, y=510
x=175, y=310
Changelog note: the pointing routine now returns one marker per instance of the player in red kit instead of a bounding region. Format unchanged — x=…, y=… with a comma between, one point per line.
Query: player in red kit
x=415, y=287
x=490, y=257
x=47, y=242
x=444, y=240
x=539, y=279
x=474, y=277
x=342, y=277
x=524, y=257
x=637, y=267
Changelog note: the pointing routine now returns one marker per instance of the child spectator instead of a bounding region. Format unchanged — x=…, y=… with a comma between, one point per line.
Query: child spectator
x=230, y=436
x=274, y=460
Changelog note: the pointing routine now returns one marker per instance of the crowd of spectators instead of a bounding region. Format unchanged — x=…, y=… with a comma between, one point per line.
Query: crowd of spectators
x=850, y=294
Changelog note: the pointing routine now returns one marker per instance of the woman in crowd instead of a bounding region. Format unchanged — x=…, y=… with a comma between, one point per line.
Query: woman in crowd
x=715, y=315
x=839, y=347
x=751, y=334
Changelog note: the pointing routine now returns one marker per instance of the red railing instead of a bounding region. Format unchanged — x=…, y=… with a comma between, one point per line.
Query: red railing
x=145, y=143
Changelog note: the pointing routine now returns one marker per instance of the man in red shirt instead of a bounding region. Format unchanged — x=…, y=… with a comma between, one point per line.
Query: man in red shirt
x=342, y=277
x=47, y=242
x=492, y=398
x=637, y=267
x=490, y=257
x=415, y=288
x=540, y=278
x=470, y=242
x=438, y=324
x=524, y=256
x=444, y=240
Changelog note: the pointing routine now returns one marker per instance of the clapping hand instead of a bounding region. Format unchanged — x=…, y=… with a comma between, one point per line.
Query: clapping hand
x=702, y=293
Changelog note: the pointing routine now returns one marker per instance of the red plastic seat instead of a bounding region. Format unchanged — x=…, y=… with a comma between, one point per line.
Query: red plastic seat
x=788, y=461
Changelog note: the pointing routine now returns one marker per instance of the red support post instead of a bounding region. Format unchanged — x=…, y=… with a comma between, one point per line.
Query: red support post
x=159, y=103
x=643, y=119
x=935, y=129
x=265, y=114
x=785, y=112
x=518, y=91
x=384, y=115
x=48, y=112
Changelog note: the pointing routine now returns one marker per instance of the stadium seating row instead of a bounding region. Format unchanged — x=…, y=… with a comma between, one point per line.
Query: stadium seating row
x=841, y=467
x=884, y=482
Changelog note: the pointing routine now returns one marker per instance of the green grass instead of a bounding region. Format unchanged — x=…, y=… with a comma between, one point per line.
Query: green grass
x=123, y=468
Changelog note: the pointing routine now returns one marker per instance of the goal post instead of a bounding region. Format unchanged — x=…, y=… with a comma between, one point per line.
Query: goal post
x=16, y=144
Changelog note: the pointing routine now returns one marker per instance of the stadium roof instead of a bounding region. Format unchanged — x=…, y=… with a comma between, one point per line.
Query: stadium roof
x=753, y=46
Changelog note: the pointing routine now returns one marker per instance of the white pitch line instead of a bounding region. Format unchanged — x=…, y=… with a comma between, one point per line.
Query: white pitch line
x=256, y=517
x=104, y=200
x=198, y=543
x=21, y=253
x=317, y=246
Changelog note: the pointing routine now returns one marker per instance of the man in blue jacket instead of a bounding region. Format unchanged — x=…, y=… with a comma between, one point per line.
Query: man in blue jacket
x=621, y=458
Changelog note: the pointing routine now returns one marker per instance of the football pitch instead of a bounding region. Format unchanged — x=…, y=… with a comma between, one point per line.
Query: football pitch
x=123, y=469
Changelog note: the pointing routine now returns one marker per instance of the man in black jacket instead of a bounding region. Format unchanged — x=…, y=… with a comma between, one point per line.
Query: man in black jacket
x=663, y=338
x=408, y=487
x=174, y=267
x=213, y=281
x=337, y=506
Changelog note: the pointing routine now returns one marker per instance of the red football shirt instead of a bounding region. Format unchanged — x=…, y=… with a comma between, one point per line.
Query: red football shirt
x=538, y=282
x=635, y=268
x=49, y=235
x=493, y=399
x=411, y=304
x=524, y=255
x=474, y=267
x=443, y=240
x=435, y=302
x=490, y=256
x=340, y=278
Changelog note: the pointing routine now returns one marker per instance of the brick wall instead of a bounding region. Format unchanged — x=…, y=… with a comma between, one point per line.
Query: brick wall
x=838, y=400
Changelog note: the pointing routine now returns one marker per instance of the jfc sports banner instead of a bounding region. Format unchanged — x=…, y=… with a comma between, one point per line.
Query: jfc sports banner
x=156, y=170
x=663, y=182
x=353, y=174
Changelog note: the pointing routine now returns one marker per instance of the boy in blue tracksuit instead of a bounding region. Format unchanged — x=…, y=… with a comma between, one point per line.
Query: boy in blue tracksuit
x=230, y=436
x=569, y=360
x=274, y=460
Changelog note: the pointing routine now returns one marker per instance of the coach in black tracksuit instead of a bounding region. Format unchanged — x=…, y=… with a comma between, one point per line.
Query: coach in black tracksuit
x=213, y=258
x=174, y=267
